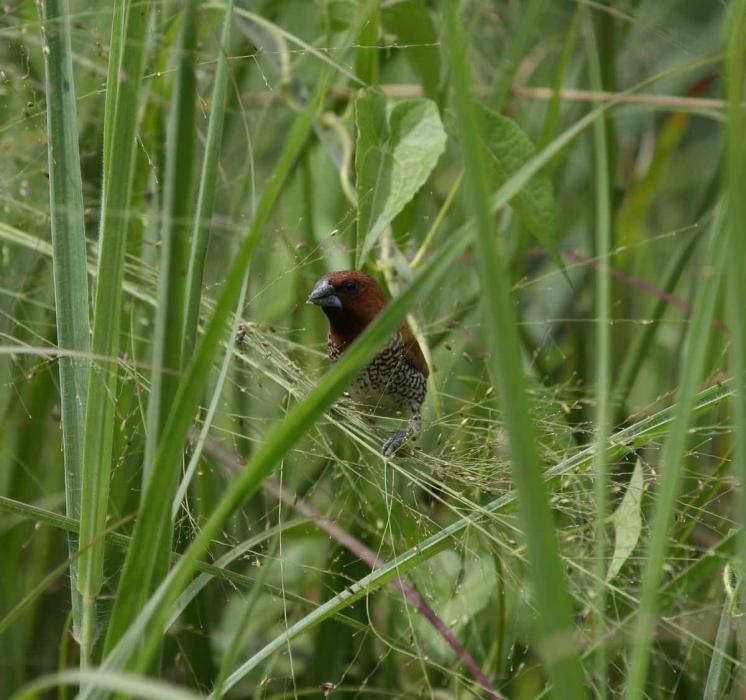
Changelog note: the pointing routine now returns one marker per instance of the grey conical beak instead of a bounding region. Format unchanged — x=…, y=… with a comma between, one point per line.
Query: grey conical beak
x=324, y=294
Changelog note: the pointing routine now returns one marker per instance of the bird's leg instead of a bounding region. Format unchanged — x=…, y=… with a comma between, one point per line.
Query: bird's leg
x=394, y=442
x=397, y=439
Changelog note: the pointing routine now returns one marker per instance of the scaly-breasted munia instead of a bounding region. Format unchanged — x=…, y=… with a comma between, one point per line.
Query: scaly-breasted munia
x=395, y=382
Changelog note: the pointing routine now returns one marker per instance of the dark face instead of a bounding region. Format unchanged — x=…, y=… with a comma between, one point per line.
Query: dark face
x=350, y=299
x=342, y=295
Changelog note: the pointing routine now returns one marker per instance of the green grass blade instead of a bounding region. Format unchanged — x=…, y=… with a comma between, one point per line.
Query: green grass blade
x=197, y=450
x=116, y=47
x=555, y=630
x=714, y=684
x=69, y=257
x=174, y=239
x=119, y=146
x=126, y=684
x=604, y=408
x=736, y=210
x=173, y=264
x=155, y=508
x=673, y=453
x=366, y=51
x=207, y=184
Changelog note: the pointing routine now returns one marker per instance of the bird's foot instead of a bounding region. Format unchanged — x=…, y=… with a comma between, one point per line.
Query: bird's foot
x=394, y=443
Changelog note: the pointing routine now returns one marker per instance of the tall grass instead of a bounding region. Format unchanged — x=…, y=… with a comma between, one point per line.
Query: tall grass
x=191, y=506
x=69, y=256
x=603, y=364
x=126, y=61
x=736, y=288
x=555, y=639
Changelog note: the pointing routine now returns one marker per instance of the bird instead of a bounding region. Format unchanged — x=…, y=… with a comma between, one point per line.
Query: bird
x=395, y=381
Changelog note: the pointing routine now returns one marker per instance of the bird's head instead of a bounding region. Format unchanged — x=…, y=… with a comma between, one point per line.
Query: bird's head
x=350, y=299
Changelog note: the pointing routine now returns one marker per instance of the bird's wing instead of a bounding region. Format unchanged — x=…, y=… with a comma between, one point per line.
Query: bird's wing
x=412, y=350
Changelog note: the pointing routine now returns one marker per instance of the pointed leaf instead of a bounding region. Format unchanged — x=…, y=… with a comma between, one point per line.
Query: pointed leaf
x=627, y=520
x=398, y=145
x=509, y=149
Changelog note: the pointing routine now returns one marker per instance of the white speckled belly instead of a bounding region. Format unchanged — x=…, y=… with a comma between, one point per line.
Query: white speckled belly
x=390, y=385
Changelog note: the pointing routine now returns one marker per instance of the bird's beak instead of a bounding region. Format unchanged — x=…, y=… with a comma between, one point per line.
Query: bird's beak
x=323, y=294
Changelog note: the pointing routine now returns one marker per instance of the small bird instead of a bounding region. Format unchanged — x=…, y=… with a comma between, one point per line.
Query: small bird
x=395, y=382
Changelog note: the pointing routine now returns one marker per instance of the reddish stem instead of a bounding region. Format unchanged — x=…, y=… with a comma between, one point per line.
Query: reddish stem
x=643, y=285
x=369, y=557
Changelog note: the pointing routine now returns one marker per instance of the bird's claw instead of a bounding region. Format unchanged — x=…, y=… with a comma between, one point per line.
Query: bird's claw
x=394, y=443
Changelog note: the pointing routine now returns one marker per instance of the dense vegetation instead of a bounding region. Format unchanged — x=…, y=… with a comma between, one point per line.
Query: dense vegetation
x=551, y=192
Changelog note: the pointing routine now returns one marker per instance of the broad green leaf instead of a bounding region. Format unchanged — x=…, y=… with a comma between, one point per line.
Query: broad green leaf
x=627, y=520
x=509, y=149
x=398, y=145
x=412, y=25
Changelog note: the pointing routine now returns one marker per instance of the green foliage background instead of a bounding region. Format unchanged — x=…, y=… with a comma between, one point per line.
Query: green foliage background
x=552, y=194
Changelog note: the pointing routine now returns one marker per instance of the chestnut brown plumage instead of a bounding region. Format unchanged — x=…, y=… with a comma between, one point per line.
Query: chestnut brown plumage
x=395, y=382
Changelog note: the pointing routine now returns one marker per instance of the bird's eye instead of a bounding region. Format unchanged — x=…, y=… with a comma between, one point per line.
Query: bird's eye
x=350, y=285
